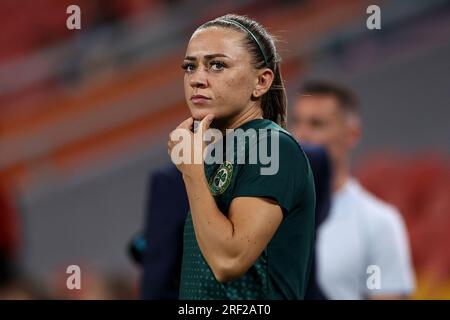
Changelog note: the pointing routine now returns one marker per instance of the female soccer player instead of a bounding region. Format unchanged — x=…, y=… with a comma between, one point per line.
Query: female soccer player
x=248, y=235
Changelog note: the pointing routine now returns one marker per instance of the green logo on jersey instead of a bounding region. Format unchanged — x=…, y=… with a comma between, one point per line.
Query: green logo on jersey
x=221, y=180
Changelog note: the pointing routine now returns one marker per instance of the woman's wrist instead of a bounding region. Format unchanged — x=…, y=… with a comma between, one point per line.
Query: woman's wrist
x=195, y=173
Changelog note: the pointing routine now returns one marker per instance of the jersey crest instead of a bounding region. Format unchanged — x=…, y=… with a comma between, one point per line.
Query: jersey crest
x=221, y=179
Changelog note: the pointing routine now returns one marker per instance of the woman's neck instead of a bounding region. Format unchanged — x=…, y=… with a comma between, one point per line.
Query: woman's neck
x=238, y=120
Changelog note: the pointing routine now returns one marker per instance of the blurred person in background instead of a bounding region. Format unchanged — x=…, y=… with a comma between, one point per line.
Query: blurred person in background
x=361, y=230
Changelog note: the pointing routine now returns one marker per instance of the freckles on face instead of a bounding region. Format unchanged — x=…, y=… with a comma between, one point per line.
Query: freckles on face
x=238, y=87
x=227, y=78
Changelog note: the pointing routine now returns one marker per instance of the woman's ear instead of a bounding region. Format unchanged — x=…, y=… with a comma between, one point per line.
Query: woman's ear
x=264, y=82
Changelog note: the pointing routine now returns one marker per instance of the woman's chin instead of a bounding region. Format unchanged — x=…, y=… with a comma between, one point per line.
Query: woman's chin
x=200, y=114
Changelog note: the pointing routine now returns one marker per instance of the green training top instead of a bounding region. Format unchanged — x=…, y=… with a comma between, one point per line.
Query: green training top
x=282, y=270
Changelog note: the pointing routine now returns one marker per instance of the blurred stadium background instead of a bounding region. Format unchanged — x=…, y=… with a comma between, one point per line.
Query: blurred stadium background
x=84, y=117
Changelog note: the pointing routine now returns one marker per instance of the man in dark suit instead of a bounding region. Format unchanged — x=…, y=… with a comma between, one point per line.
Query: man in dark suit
x=167, y=208
x=160, y=249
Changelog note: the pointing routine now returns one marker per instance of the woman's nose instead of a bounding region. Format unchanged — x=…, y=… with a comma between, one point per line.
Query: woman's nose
x=199, y=79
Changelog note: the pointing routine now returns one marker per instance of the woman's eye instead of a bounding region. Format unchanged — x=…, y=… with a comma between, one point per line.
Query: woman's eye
x=188, y=67
x=217, y=65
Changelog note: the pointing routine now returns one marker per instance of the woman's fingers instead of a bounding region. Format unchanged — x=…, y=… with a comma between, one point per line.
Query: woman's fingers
x=206, y=122
x=192, y=141
x=189, y=123
x=186, y=124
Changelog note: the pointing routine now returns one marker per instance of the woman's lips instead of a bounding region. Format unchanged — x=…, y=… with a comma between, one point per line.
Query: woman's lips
x=199, y=99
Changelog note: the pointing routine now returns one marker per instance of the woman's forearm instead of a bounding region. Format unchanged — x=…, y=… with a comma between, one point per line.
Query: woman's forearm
x=213, y=230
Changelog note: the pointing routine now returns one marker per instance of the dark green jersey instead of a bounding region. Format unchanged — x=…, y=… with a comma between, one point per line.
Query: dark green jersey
x=282, y=270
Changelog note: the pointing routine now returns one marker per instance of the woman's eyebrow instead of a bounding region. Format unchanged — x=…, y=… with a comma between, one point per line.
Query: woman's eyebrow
x=208, y=56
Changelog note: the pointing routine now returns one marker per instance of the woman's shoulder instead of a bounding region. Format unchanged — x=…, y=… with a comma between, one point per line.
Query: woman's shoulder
x=268, y=135
x=286, y=140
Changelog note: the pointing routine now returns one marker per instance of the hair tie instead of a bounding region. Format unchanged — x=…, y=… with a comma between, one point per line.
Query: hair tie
x=250, y=33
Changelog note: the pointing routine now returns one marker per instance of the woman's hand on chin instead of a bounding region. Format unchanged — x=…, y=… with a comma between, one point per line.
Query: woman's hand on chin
x=186, y=148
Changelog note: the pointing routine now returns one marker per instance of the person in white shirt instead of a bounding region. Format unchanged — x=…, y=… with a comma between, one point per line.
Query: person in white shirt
x=362, y=248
